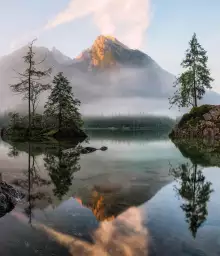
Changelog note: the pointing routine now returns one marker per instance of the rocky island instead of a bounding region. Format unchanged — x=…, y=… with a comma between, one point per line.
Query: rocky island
x=201, y=122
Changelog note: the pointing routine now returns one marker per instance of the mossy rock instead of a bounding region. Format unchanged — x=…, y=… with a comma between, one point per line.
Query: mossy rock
x=200, y=111
x=194, y=116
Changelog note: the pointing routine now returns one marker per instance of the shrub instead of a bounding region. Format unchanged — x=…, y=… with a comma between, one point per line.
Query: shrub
x=200, y=111
x=185, y=118
x=195, y=114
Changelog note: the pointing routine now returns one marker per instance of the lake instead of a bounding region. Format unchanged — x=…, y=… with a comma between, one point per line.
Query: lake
x=176, y=188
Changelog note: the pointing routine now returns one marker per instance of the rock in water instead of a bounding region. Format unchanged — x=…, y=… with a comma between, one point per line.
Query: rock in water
x=103, y=148
x=200, y=122
x=9, y=196
x=87, y=150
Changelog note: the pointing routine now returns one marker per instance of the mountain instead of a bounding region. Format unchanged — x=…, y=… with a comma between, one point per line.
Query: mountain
x=108, y=77
x=60, y=57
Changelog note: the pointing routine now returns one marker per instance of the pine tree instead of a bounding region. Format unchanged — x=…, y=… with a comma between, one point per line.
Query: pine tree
x=30, y=85
x=62, y=105
x=195, y=80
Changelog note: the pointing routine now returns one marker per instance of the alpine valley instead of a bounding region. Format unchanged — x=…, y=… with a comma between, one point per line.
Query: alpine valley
x=108, y=78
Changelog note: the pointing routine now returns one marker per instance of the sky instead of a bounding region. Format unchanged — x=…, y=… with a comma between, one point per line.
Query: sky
x=160, y=28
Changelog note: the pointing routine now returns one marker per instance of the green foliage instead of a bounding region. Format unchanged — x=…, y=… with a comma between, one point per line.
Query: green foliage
x=51, y=133
x=185, y=118
x=61, y=114
x=201, y=110
x=14, y=119
x=62, y=106
x=194, y=116
x=193, y=82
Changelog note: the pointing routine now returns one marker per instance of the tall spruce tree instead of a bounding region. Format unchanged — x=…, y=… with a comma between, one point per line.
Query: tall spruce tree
x=62, y=105
x=196, y=78
x=30, y=84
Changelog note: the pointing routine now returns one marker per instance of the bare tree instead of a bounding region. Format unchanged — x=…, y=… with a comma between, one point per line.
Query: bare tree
x=30, y=83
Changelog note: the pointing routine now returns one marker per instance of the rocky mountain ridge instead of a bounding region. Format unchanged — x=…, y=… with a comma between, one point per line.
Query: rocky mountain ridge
x=107, y=76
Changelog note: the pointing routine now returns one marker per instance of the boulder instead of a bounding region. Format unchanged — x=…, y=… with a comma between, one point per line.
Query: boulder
x=215, y=113
x=103, y=148
x=208, y=132
x=88, y=150
x=9, y=196
x=203, y=121
x=207, y=117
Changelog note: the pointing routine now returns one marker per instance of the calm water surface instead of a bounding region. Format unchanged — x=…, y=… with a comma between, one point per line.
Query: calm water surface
x=73, y=194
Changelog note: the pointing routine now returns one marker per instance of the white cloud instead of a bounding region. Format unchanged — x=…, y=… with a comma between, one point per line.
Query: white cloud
x=124, y=19
x=127, y=20
x=25, y=39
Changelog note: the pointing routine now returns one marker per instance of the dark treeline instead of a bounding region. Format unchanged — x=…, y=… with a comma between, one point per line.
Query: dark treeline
x=130, y=122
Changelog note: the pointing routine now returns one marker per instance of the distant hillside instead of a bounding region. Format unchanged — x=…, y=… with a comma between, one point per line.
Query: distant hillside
x=150, y=123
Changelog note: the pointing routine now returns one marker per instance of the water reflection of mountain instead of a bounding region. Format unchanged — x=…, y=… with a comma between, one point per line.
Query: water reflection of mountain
x=58, y=178
x=201, y=152
x=108, y=195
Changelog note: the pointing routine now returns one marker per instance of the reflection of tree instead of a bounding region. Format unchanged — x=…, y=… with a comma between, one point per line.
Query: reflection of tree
x=33, y=179
x=61, y=166
x=199, y=151
x=196, y=193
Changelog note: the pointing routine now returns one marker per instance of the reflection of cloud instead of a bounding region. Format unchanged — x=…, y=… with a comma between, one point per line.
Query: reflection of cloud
x=125, y=235
x=125, y=19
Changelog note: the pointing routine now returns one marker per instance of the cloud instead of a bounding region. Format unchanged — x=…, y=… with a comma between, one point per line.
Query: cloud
x=127, y=20
x=25, y=39
x=124, y=19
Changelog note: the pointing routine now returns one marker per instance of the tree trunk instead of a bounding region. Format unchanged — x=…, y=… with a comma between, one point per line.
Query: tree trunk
x=60, y=117
x=29, y=181
x=194, y=185
x=33, y=115
x=195, y=96
x=194, y=85
x=29, y=96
